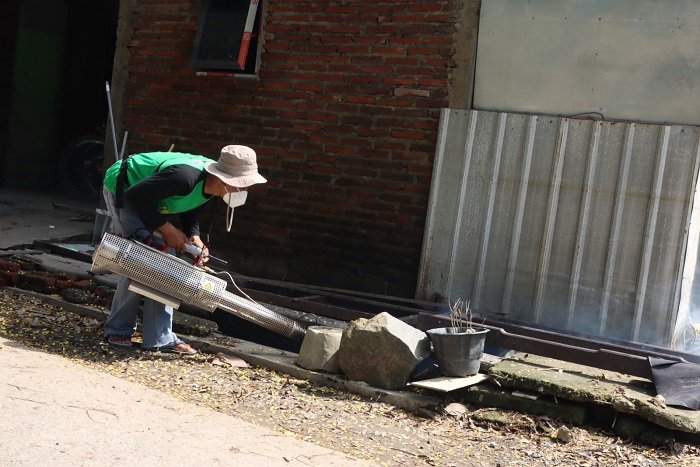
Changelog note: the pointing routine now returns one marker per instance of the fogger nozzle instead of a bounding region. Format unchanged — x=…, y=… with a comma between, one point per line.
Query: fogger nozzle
x=178, y=279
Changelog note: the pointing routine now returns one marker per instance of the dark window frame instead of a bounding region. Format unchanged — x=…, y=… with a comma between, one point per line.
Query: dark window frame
x=242, y=44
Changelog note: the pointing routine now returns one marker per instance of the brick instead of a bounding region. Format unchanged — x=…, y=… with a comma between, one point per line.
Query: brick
x=388, y=50
x=376, y=8
x=323, y=117
x=84, y=284
x=432, y=6
x=356, y=120
x=361, y=99
x=323, y=138
x=325, y=169
x=276, y=85
x=346, y=9
x=408, y=19
x=354, y=49
x=63, y=284
x=36, y=281
x=400, y=92
x=425, y=125
x=396, y=102
x=6, y=265
x=331, y=149
x=428, y=51
x=26, y=265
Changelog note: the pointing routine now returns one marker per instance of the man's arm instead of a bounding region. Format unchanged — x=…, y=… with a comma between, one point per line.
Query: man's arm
x=145, y=197
x=173, y=237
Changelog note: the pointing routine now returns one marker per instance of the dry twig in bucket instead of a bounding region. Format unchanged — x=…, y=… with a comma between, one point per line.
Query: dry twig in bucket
x=461, y=315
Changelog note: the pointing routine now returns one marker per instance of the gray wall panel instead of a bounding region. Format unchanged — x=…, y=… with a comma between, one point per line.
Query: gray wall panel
x=627, y=59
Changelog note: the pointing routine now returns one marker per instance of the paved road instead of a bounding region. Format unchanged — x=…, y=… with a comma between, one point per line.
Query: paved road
x=55, y=412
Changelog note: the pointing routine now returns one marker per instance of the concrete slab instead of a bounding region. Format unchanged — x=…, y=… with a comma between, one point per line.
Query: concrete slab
x=626, y=394
x=57, y=264
x=26, y=216
x=491, y=396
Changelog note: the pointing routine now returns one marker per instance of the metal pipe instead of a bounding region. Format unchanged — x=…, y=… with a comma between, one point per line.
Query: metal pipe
x=111, y=121
x=123, y=149
x=262, y=316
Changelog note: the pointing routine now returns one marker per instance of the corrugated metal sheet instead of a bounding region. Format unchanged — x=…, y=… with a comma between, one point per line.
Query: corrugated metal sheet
x=572, y=224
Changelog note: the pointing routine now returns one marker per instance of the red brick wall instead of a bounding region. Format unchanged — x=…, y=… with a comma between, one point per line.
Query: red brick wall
x=344, y=118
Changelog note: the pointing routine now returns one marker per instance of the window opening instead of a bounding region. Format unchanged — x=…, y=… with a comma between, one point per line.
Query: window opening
x=228, y=36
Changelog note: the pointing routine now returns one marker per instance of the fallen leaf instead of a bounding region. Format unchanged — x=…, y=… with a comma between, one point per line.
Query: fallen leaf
x=455, y=409
x=235, y=362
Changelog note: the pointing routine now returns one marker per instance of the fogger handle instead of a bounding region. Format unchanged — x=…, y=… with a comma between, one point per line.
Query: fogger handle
x=190, y=248
x=194, y=250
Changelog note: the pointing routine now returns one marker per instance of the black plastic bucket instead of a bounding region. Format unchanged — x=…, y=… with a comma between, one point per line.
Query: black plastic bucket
x=457, y=350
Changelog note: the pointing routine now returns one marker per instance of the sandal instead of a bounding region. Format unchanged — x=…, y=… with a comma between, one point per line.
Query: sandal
x=180, y=348
x=119, y=342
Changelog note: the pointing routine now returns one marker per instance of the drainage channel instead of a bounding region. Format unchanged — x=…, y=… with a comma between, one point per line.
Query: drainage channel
x=313, y=305
x=624, y=358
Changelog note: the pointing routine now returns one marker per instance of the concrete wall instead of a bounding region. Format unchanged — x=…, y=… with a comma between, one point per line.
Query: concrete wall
x=622, y=59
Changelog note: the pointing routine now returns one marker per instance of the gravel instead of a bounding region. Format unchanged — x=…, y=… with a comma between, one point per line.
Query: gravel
x=366, y=429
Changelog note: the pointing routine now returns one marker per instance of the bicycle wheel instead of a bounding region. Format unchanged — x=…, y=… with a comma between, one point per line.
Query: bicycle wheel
x=80, y=167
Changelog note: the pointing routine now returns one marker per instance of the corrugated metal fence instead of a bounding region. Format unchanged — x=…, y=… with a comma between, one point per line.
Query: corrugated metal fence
x=572, y=224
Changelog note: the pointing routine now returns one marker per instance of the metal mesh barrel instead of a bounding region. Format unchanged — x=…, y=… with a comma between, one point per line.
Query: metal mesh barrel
x=162, y=272
x=180, y=280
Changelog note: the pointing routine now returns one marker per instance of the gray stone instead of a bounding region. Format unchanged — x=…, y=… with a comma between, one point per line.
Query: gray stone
x=382, y=351
x=564, y=434
x=319, y=351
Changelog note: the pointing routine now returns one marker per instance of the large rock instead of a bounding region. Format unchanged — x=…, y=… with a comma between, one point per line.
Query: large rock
x=382, y=351
x=319, y=351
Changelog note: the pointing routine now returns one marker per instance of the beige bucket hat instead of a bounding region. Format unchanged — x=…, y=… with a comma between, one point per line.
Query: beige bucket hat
x=236, y=166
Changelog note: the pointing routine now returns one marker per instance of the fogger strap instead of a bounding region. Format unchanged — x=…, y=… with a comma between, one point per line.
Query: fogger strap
x=121, y=182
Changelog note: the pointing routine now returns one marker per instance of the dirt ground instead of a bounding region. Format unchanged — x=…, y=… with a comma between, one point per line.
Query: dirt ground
x=360, y=427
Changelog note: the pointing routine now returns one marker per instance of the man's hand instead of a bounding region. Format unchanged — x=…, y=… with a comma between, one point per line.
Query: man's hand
x=173, y=237
x=194, y=239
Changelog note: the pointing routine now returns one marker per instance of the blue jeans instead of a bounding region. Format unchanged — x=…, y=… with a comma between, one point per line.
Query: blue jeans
x=157, y=317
